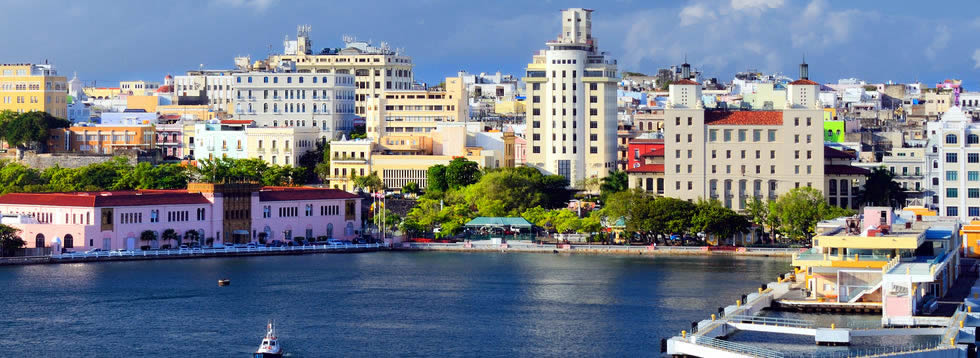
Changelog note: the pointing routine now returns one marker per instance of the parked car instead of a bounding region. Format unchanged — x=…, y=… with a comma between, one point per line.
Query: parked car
x=183, y=247
x=334, y=242
x=251, y=245
x=92, y=251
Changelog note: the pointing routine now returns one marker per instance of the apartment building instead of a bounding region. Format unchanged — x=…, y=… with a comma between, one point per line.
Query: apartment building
x=376, y=68
x=416, y=111
x=953, y=157
x=29, y=87
x=402, y=158
x=211, y=87
x=138, y=87
x=732, y=156
x=241, y=139
x=322, y=101
x=646, y=165
x=102, y=139
x=572, y=109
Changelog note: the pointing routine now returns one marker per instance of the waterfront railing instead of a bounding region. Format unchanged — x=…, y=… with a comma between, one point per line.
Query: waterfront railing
x=216, y=251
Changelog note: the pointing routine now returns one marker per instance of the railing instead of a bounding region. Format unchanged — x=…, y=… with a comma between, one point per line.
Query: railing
x=736, y=347
x=213, y=251
x=772, y=321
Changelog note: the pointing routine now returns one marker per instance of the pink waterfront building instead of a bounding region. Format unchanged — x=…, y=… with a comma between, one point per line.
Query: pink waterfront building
x=208, y=213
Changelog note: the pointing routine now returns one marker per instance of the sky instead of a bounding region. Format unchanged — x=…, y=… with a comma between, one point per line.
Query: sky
x=106, y=41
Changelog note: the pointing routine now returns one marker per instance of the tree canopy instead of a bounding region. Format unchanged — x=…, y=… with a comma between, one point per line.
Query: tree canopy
x=881, y=189
x=29, y=128
x=9, y=241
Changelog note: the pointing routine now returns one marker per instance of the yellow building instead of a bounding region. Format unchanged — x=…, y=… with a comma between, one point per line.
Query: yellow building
x=101, y=92
x=101, y=139
x=971, y=239
x=199, y=112
x=147, y=103
x=30, y=87
x=852, y=260
x=509, y=107
x=402, y=158
x=138, y=88
x=397, y=112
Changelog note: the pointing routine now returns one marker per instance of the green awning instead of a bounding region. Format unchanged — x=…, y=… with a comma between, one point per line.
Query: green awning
x=485, y=221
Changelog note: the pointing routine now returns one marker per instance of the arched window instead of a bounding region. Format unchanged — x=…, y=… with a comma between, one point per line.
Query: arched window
x=39, y=241
x=832, y=188
x=330, y=231
x=349, y=230
x=69, y=241
x=972, y=139
x=950, y=139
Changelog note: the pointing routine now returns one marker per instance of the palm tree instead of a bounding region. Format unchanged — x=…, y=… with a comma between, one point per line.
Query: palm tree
x=192, y=236
x=615, y=182
x=148, y=236
x=169, y=235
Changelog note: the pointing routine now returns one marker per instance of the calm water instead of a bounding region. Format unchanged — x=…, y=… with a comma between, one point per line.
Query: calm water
x=370, y=304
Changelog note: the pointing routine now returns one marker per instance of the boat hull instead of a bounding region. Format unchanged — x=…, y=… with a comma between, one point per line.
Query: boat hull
x=267, y=355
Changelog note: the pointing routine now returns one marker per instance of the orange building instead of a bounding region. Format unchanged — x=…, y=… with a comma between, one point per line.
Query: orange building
x=101, y=139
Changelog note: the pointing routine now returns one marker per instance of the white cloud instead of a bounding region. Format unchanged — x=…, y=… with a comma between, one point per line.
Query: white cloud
x=939, y=41
x=976, y=58
x=756, y=4
x=695, y=13
x=257, y=5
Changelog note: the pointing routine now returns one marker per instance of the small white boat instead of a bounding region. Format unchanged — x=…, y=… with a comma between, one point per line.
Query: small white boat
x=270, y=344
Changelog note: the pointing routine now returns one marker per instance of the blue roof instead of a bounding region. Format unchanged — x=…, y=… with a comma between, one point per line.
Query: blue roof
x=936, y=234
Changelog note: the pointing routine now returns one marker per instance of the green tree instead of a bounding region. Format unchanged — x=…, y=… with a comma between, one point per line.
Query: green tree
x=192, y=236
x=881, y=189
x=716, y=220
x=801, y=209
x=615, y=182
x=461, y=172
x=511, y=191
x=148, y=236
x=566, y=221
x=9, y=241
x=372, y=182
x=411, y=188
x=436, y=176
x=591, y=224
x=760, y=213
x=30, y=128
x=170, y=235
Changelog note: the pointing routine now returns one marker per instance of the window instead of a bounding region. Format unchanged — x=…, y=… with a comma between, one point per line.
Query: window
x=972, y=139
x=973, y=193
x=973, y=157
x=772, y=135
x=154, y=216
x=952, y=211
x=712, y=135
x=950, y=139
x=951, y=158
x=972, y=175
x=973, y=211
x=728, y=135
x=952, y=192
x=756, y=135
x=742, y=134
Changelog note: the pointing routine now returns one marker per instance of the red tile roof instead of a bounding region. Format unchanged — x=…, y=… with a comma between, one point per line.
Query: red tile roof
x=844, y=170
x=235, y=121
x=685, y=82
x=655, y=152
x=165, y=89
x=106, y=198
x=804, y=82
x=647, y=168
x=829, y=152
x=278, y=193
x=768, y=118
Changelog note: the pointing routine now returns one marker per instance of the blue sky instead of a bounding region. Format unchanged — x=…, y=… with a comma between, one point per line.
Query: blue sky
x=109, y=41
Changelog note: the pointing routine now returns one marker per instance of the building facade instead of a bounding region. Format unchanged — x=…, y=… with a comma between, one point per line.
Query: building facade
x=572, y=109
x=215, y=213
x=733, y=156
x=953, y=157
x=102, y=139
x=32, y=87
x=324, y=102
x=376, y=68
x=240, y=139
x=416, y=111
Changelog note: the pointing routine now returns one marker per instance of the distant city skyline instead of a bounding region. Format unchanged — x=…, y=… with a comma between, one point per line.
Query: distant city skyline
x=108, y=41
